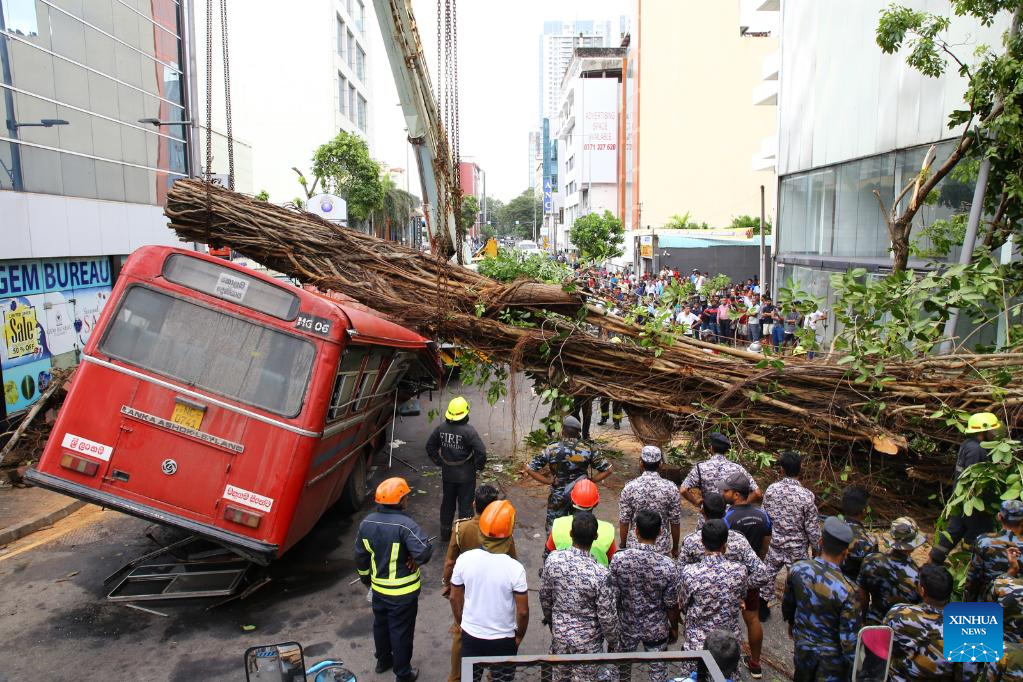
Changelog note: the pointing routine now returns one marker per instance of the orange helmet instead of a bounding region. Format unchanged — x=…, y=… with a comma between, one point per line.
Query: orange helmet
x=498, y=519
x=585, y=494
x=392, y=491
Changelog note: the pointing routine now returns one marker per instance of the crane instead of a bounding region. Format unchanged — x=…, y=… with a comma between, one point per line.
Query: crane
x=436, y=160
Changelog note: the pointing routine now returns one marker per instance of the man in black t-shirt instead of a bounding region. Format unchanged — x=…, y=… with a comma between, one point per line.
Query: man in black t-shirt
x=755, y=525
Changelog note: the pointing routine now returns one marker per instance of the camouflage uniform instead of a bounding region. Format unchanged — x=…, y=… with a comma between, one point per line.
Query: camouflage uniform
x=710, y=594
x=917, y=644
x=889, y=579
x=712, y=471
x=989, y=562
x=657, y=494
x=863, y=544
x=823, y=610
x=796, y=528
x=647, y=585
x=579, y=600
x=737, y=549
x=1009, y=593
x=1010, y=668
x=569, y=460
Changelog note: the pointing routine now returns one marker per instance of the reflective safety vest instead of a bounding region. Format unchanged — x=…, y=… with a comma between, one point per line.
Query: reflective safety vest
x=386, y=540
x=391, y=585
x=561, y=533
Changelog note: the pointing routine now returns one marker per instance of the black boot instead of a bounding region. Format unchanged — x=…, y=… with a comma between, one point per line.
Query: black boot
x=383, y=665
x=603, y=420
x=411, y=677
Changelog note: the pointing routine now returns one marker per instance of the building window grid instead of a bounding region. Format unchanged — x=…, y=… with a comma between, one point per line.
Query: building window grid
x=362, y=113
x=342, y=94
x=341, y=32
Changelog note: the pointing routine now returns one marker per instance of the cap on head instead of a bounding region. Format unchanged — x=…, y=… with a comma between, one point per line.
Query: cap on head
x=571, y=422
x=391, y=491
x=905, y=534
x=458, y=409
x=719, y=441
x=1012, y=511
x=585, y=494
x=735, y=481
x=713, y=506
x=838, y=529
x=651, y=454
x=982, y=421
x=498, y=519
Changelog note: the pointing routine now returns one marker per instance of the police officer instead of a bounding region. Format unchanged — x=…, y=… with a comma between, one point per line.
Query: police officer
x=917, y=643
x=585, y=497
x=989, y=552
x=708, y=475
x=854, y=507
x=822, y=608
x=566, y=461
x=890, y=578
x=1007, y=590
x=711, y=591
x=980, y=427
x=389, y=548
x=578, y=598
x=650, y=491
x=459, y=452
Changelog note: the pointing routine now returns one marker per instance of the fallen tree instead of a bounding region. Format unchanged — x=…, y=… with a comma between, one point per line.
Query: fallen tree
x=546, y=330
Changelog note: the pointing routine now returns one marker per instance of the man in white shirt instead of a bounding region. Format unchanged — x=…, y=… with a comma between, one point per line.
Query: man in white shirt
x=489, y=595
x=688, y=320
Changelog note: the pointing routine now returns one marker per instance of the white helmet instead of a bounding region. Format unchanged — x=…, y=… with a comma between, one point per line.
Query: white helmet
x=754, y=347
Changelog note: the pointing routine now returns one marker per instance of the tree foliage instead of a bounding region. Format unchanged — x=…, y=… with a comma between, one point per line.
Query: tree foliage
x=747, y=221
x=525, y=209
x=509, y=266
x=598, y=237
x=683, y=222
x=343, y=167
x=396, y=207
x=470, y=211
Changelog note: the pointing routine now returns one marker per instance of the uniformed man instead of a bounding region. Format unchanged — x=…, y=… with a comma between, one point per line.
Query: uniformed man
x=711, y=591
x=611, y=408
x=989, y=557
x=797, y=528
x=650, y=491
x=585, y=497
x=980, y=427
x=1007, y=590
x=890, y=578
x=582, y=409
x=917, y=643
x=389, y=548
x=707, y=476
x=578, y=600
x=854, y=507
x=647, y=585
x=466, y=536
x=822, y=609
x=567, y=460
x=459, y=451
x=737, y=547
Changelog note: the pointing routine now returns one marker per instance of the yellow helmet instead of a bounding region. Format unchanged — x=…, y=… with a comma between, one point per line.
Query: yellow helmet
x=458, y=409
x=982, y=421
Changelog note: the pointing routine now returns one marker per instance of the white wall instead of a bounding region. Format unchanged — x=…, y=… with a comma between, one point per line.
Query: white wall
x=841, y=98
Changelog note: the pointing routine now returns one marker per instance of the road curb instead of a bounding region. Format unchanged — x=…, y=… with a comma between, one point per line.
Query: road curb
x=16, y=532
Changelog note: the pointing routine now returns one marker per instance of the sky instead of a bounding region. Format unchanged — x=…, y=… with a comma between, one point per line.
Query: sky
x=499, y=75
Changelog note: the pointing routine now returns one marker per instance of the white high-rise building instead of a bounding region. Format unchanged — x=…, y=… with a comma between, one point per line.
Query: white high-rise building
x=556, y=44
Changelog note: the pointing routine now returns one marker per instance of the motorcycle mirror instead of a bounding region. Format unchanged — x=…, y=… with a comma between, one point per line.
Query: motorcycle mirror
x=275, y=663
x=873, y=654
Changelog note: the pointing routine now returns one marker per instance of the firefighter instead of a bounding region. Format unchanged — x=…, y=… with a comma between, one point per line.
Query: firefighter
x=460, y=453
x=585, y=497
x=389, y=549
x=980, y=426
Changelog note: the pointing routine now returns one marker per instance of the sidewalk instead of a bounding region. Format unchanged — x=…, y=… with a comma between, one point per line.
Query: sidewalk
x=26, y=510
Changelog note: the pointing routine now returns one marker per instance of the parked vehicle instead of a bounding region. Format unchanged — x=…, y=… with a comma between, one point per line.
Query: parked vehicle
x=528, y=247
x=221, y=401
x=285, y=662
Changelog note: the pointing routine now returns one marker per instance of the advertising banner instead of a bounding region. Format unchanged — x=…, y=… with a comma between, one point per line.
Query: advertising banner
x=646, y=247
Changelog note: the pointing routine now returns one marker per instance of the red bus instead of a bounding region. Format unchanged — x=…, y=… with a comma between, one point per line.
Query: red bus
x=226, y=403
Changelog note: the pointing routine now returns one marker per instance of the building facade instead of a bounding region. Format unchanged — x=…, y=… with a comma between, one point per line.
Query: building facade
x=690, y=127
x=853, y=121
x=94, y=111
x=557, y=43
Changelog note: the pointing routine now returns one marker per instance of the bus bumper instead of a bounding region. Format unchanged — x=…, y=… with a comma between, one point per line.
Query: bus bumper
x=254, y=550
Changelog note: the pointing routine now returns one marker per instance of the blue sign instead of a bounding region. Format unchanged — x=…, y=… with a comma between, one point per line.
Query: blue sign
x=28, y=277
x=548, y=196
x=972, y=632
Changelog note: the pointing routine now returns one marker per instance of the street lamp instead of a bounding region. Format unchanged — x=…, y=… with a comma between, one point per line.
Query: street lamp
x=156, y=123
x=43, y=123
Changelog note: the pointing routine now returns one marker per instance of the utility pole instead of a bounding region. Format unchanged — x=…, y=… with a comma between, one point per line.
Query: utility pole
x=763, y=250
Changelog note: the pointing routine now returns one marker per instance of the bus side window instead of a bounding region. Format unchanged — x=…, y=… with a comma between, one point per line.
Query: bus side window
x=366, y=395
x=344, y=385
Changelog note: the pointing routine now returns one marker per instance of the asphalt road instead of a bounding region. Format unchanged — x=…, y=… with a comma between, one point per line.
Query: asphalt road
x=55, y=623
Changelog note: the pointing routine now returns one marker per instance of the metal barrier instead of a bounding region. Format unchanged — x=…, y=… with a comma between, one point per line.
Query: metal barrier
x=663, y=666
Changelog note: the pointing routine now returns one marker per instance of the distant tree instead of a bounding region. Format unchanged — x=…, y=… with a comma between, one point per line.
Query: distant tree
x=598, y=237
x=262, y=196
x=741, y=221
x=470, y=211
x=493, y=212
x=683, y=222
x=343, y=167
x=526, y=208
x=395, y=209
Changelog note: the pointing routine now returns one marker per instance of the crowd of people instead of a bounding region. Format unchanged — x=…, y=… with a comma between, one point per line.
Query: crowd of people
x=643, y=586
x=733, y=314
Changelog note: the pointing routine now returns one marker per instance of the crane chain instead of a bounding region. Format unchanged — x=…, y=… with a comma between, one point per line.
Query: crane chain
x=227, y=94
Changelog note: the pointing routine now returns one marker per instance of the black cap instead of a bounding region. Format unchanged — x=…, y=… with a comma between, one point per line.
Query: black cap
x=736, y=481
x=720, y=440
x=838, y=529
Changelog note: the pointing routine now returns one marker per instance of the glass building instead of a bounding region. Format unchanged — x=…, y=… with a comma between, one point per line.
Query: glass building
x=94, y=128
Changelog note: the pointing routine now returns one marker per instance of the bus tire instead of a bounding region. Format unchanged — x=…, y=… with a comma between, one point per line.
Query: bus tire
x=355, y=492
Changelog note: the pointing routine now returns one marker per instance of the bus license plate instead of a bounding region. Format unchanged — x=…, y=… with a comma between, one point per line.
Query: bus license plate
x=188, y=416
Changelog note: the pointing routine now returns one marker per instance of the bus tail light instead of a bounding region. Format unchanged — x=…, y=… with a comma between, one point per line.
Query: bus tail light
x=232, y=513
x=79, y=464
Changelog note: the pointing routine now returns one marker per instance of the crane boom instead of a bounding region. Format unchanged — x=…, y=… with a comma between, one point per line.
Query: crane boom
x=438, y=169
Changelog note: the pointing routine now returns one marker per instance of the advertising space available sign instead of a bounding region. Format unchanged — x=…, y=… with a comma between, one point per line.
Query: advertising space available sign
x=972, y=632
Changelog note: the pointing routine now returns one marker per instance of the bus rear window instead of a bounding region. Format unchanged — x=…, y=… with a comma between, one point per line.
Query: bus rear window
x=211, y=350
x=231, y=285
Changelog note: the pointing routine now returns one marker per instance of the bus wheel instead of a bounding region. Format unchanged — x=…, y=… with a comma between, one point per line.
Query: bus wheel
x=355, y=492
